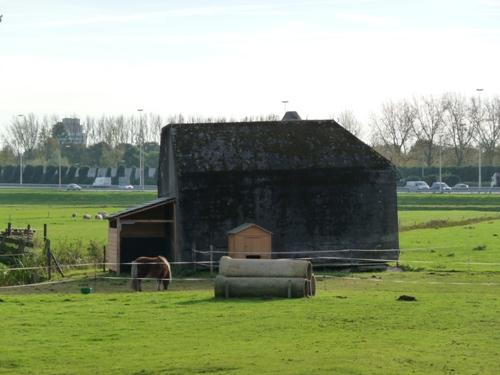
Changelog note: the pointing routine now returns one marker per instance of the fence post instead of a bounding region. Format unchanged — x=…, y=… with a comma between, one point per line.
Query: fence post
x=104, y=258
x=44, y=232
x=211, y=259
x=49, y=259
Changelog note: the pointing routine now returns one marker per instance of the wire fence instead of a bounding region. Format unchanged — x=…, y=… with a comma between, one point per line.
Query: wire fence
x=338, y=258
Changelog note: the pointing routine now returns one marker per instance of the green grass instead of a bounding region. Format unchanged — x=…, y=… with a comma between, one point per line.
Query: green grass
x=55, y=208
x=454, y=247
x=353, y=326
x=350, y=327
x=84, y=198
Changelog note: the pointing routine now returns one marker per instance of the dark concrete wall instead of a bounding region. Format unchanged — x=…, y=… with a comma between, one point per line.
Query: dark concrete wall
x=338, y=208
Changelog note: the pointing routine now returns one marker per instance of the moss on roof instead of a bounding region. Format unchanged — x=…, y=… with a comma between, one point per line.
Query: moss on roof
x=272, y=145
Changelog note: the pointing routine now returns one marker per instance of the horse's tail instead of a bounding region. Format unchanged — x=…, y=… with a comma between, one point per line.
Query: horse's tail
x=133, y=274
x=169, y=270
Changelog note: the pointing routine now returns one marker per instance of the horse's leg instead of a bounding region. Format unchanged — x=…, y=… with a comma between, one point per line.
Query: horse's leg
x=158, y=285
x=165, y=284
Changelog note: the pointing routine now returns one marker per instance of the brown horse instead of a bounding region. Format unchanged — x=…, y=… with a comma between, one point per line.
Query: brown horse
x=154, y=267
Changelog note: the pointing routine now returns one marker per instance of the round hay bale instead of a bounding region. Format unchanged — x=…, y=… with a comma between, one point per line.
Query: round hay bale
x=231, y=287
x=291, y=268
x=312, y=286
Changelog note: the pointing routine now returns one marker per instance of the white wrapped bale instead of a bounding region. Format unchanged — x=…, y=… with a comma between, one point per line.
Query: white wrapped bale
x=230, y=287
x=290, y=268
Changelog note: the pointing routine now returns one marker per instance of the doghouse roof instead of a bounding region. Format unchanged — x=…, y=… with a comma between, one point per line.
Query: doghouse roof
x=142, y=207
x=242, y=227
x=270, y=145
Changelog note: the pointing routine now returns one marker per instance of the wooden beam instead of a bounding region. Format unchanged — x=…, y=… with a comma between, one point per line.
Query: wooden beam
x=118, y=245
x=152, y=221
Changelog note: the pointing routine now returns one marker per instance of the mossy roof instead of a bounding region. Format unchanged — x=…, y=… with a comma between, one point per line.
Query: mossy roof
x=270, y=145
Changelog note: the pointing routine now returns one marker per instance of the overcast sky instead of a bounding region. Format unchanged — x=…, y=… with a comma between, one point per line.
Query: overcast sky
x=237, y=58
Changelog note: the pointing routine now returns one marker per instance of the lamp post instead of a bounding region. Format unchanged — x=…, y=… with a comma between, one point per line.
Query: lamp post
x=440, y=164
x=141, y=156
x=284, y=104
x=479, y=91
x=21, y=159
x=59, y=174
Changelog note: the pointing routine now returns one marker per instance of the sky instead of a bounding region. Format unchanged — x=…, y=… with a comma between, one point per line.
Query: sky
x=239, y=58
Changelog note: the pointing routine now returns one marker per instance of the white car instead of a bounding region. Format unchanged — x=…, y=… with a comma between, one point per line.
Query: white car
x=127, y=187
x=73, y=187
x=417, y=186
x=440, y=187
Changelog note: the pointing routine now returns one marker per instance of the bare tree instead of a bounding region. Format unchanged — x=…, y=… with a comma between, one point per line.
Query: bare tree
x=349, y=121
x=459, y=129
x=89, y=127
x=429, y=124
x=155, y=122
x=23, y=132
x=393, y=128
x=485, y=118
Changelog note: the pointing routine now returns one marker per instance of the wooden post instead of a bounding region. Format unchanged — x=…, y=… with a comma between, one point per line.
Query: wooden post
x=104, y=258
x=9, y=229
x=44, y=232
x=118, y=245
x=56, y=263
x=211, y=259
x=49, y=260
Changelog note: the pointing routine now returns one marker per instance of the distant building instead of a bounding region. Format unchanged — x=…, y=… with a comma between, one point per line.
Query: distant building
x=73, y=131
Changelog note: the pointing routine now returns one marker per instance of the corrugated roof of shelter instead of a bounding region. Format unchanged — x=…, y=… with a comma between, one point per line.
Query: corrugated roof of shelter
x=142, y=207
x=244, y=226
x=270, y=145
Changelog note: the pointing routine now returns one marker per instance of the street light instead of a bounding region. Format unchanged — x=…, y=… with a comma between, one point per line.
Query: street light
x=284, y=104
x=141, y=157
x=479, y=91
x=59, y=174
x=21, y=158
x=440, y=164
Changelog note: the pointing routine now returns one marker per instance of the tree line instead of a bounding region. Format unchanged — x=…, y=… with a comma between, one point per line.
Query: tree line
x=110, y=140
x=414, y=131
x=409, y=132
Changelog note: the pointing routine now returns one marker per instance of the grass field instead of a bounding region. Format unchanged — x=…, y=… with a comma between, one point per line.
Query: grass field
x=55, y=208
x=353, y=326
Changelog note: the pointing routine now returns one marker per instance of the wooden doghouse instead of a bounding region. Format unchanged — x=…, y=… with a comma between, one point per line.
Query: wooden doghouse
x=249, y=241
x=146, y=230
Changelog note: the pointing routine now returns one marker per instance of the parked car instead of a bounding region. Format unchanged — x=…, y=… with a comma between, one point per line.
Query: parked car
x=73, y=187
x=461, y=187
x=440, y=187
x=417, y=186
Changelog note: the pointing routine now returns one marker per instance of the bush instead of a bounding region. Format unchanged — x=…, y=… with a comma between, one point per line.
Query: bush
x=95, y=251
x=31, y=259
